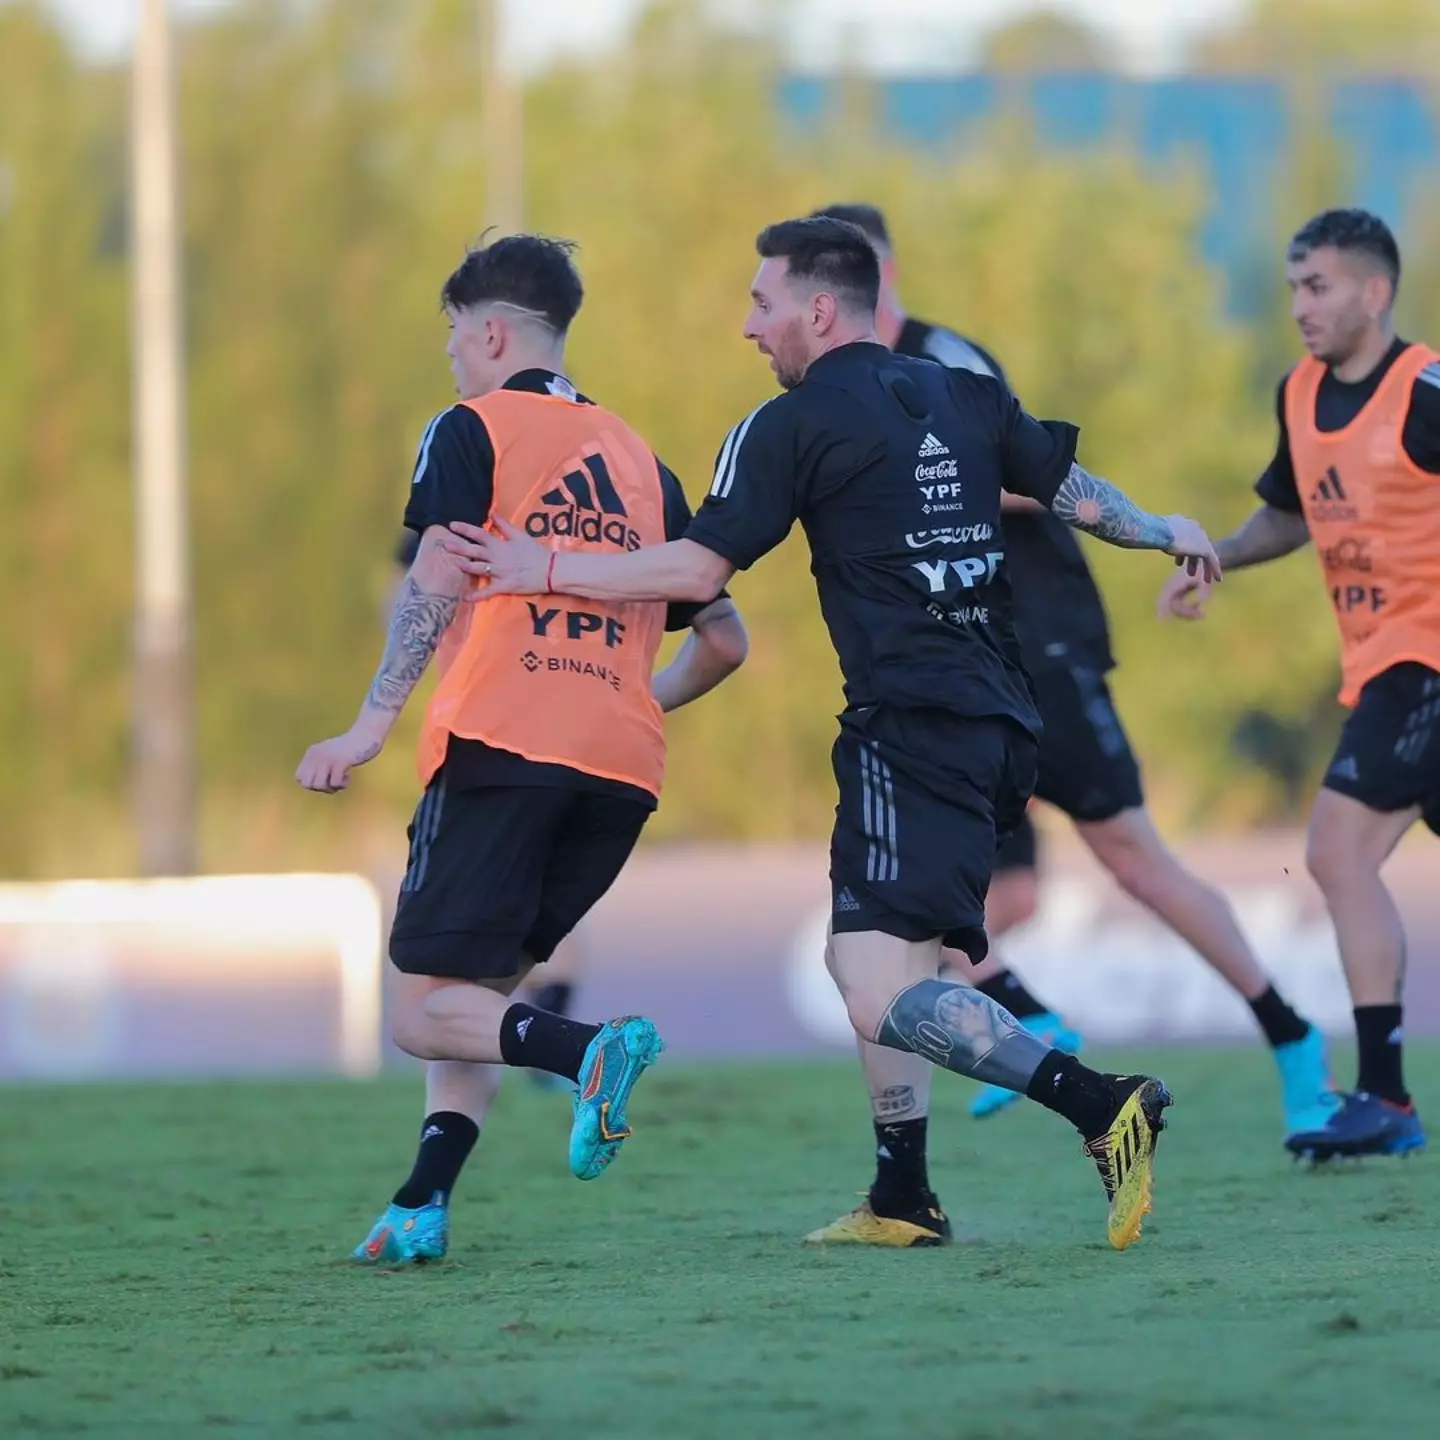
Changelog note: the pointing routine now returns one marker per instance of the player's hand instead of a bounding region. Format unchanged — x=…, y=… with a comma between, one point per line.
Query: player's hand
x=327, y=765
x=1193, y=549
x=1183, y=596
x=513, y=562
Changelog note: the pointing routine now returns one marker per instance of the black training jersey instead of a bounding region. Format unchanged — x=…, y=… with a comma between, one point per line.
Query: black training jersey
x=894, y=468
x=1337, y=403
x=1059, y=615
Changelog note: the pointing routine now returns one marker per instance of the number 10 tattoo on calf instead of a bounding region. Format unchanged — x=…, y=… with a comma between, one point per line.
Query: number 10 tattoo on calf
x=962, y=1030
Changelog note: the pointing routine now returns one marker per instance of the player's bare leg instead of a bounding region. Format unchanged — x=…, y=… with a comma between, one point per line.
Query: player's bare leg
x=1144, y=866
x=900, y=1209
x=1347, y=845
x=415, y=1227
x=893, y=997
x=1012, y=900
x=1133, y=851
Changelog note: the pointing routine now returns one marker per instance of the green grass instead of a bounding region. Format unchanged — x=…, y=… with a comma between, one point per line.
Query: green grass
x=171, y=1266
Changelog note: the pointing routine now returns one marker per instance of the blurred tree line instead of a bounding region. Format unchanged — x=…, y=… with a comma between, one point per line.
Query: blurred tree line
x=332, y=172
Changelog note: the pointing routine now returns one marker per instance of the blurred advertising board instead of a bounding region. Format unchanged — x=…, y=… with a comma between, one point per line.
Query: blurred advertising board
x=723, y=945
x=220, y=975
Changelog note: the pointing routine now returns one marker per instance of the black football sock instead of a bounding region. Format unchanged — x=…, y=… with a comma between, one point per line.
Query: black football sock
x=554, y=997
x=1282, y=1026
x=446, y=1140
x=1380, y=1035
x=537, y=1040
x=1006, y=988
x=901, y=1182
x=1085, y=1097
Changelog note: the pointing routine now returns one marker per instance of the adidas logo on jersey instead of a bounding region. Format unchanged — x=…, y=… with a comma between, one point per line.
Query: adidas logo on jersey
x=586, y=506
x=1330, y=488
x=930, y=447
x=1328, y=500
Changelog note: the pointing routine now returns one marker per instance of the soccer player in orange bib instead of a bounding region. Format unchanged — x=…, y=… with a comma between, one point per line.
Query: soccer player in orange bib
x=542, y=751
x=1357, y=471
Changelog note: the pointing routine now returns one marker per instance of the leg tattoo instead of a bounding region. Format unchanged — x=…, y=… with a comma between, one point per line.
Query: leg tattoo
x=895, y=1102
x=962, y=1030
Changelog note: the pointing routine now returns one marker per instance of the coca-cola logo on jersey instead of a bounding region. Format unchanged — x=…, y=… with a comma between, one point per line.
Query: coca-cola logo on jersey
x=940, y=470
x=954, y=535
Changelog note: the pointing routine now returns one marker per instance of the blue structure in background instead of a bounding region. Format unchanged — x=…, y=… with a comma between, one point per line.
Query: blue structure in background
x=1236, y=128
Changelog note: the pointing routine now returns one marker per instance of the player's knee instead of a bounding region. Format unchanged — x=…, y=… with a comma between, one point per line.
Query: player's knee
x=1331, y=859
x=1136, y=859
x=412, y=1032
x=866, y=1010
x=863, y=1004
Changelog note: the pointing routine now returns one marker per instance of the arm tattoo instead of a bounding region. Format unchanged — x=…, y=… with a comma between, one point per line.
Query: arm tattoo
x=895, y=1102
x=962, y=1030
x=1267, y=535
x=1088, y=503
x=419, y=620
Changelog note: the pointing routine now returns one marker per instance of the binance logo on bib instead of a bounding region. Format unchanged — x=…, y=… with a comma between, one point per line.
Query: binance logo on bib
x=585, y=505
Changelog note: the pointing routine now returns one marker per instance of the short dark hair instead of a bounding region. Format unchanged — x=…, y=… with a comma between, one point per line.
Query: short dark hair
x=531, y=272
x=1350, y=230
x=835, y=254
x=870, y=218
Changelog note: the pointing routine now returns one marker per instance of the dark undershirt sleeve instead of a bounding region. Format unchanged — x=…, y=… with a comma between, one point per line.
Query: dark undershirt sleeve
x=1421, y=436
x=454, y=475
x=1035, y=455
x=1277, y=487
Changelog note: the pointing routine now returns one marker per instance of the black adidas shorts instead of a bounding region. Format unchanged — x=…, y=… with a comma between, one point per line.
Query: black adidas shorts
x=1087, y=768
x=1020, y=849
x=925, y=795
x=504, y=871
x=1389, y=752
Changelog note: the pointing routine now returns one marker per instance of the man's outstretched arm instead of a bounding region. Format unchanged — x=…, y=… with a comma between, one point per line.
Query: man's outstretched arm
x=1266, y=535
x=1086, y=502
x=510, y=562
x=424, y=607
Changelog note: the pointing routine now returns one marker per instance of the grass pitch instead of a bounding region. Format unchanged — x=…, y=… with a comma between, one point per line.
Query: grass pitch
x=172, y=1266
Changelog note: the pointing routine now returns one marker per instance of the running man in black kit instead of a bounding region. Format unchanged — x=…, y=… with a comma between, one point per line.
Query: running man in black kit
x=936, y=757
x=1088, y=771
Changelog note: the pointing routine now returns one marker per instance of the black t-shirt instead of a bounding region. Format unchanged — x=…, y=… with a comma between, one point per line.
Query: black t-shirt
x=454, y=479
x=1337, y=403
x=894, y=468
x=1059, y=615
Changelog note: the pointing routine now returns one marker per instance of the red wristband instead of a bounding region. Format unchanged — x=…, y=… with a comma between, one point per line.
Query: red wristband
x=550, y=574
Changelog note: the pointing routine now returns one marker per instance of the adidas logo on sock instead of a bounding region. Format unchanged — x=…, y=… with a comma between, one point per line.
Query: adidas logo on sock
x=522, y=1027
x=930, y=447
x=431, y=1131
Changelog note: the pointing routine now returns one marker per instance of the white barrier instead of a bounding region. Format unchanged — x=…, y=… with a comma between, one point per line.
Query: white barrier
x=230, y=974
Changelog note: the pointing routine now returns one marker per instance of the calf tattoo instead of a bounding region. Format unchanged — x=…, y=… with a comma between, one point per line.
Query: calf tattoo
x=962, y=1030
x=895, y=1102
